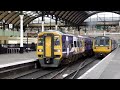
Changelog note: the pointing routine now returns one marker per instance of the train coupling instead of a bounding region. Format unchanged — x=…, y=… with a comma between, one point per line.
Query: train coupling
x=48, y=60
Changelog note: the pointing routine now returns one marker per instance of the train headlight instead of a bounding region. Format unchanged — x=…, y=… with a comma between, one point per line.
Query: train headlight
x=40, y=50
x=57, y=50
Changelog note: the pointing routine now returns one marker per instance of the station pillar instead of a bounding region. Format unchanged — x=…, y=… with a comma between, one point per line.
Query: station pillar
x=56, y=26
x=21, y=34
x=42, y=21
x=42, y=26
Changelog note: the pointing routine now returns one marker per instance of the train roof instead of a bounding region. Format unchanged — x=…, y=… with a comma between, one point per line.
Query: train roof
x=105, y=36
x=54, y=31
x=59, y=32
x=83, y=36
x=102, y=36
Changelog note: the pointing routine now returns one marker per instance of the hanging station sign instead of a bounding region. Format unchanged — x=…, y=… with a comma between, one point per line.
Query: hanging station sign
x=10, y=26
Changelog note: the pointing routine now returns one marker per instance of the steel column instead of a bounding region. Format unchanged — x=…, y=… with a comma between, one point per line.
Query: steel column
x=21, y=33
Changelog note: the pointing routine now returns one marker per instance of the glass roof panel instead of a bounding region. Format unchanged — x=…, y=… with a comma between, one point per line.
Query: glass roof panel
x=31, y=13
x=104, y=16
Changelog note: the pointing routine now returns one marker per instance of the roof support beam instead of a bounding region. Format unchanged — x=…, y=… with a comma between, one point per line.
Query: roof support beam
x=29, y=20
x=16, y=19
x=9, y=16
x=77, y=17
x=3, y=15
x=75, y=12
x=82, y=14
x=69, y=14
x=18, y=22
x=82, y=18
x=61, y=13
x=12, y=18
x=57, y=13
x=72, y=18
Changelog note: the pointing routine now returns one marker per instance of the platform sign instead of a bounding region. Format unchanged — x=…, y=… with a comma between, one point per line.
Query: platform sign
x=10, y=26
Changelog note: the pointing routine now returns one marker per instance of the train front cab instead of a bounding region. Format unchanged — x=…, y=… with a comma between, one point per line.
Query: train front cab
x=49, y=49
x=102, y=47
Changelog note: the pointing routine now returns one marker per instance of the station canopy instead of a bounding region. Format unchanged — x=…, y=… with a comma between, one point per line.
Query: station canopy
x=71, y=17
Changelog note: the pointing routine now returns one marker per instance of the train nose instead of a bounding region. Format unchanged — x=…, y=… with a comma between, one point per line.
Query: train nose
x=48, y=60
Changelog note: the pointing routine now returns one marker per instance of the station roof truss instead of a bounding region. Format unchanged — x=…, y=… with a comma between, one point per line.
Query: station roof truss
x=69, y=17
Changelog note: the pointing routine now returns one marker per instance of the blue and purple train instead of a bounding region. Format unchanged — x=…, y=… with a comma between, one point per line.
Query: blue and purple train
x=55, y=48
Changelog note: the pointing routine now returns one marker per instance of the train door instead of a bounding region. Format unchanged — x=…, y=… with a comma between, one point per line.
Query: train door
x=68, y=51
x=48, y=45
x=75, y=44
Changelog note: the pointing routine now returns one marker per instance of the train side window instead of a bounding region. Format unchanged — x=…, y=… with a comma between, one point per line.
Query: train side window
x=56, y=40
x=75, y=43
x=64, y=46
x=72, y=45
x=40, y=41
x=66, y=43
x=107, y=42
x=78, y=44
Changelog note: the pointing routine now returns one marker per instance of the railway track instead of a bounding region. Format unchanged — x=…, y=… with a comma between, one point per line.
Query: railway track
x=41, y=73
x=9, y=72
x=69, y=72
x=37, y=74
x=65, y=72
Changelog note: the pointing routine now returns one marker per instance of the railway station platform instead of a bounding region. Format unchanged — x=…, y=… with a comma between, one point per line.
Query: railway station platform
x=7, y=60
x=107, y=68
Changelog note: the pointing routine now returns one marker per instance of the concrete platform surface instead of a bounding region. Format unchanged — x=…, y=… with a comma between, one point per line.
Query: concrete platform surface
x=108, y=68
x=13, y=59
x=112, y=70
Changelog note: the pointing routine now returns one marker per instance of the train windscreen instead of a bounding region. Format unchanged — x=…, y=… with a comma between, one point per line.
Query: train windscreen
x=40, y=41
x=102, y=41
x=56, y=40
